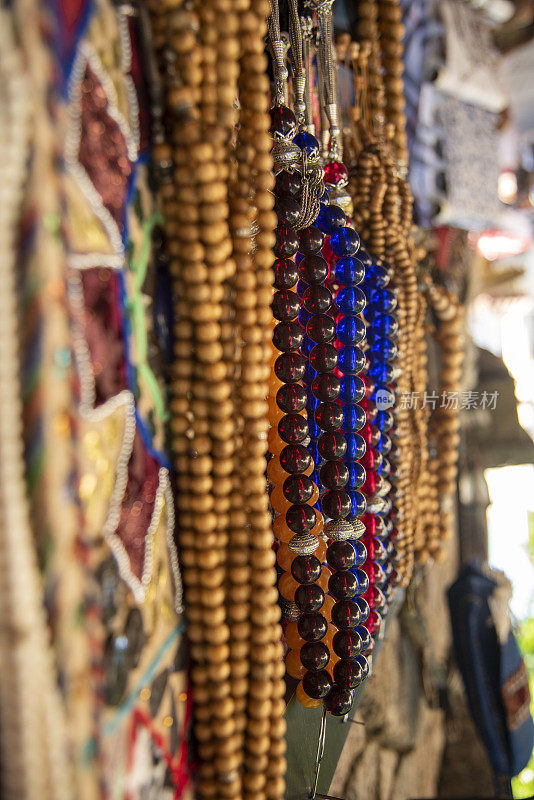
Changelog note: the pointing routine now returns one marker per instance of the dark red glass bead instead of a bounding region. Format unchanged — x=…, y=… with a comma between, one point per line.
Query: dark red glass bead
x=313, y=655
x=368, y=459
x=287, y=241
x=375, y=436
x=312, y=626
x=335, y=174
x=283, y=122
x=340, y=555
x=329, y=416
x=332, y=445
x=317, y=299
x=311, y=240
x=323, y=357
x=317, y=684
x=348, y=644
x=287, y=209
x=321, y=328
x=293, y=428
x=300, y=518
x=369, y=386
x=298, y=488
x=295, y=458
x=348, y=674
x=346, y=614
x=291, y=398
x=286, y=273
x=336, y=504
x=370, y=409
x=339, y=701
x=290, y=367
x=376, y=622
x=306, y=569
x=309, y=597
x=288, y=336
x=334, y=474
x=285, y=305
x=288, y=183
x=326, y=386
x=343, y=585
x=313, y=269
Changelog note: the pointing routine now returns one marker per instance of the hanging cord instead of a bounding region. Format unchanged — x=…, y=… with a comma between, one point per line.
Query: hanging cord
x=326, y=59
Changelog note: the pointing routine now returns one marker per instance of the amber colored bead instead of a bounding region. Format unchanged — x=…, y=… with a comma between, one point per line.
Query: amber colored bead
x=320, y=553
x=328, y=605
x=280, y=529
x=305, y=700
x=294, y=666
x=285, y=557
x=318, y=527
x=287, y=586
x=275, y=472
x=278, y=501
x=292, y=636
x=325, y=576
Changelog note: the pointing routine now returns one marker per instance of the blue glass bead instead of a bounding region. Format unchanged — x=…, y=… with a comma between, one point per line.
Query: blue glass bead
x=366, y=636
x=314, y=452
x=364, y=664
x=350, y=300
x=302, y=287
x=384, y=444
x=352, y=389
x=363, y=580
x=350, y=270
x=298, y=257
x=304, y=316
x=354, y=418
x=366, y=258
x=306, y=346
x=306, y=141
x=350, y=330
x=384, y=325
x=381, y=372
x=351, y=360
x=309, y=373
x=363, y=605
x=383, y=300
x=313, y=429
x=344, y=242
x=379, y=275
x=361, y=553
x=355, y=447
x=384, y=349
x=330, y=218
x=358, y=504
x=384, y=420
x=357, y=475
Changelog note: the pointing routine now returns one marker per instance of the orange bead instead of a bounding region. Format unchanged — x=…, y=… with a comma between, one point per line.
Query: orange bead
x=285, y=557
x=294, y=666
x=287, y=586
x=275, y=472
x=326, y=610
x=332, y=663
x=293, y=639
x=321, y=550
x=319, y=524
x=305, y=700
x=329, y=636
x=274, y=442
x=281, y=531
x=323, y=580
x=278, y=501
